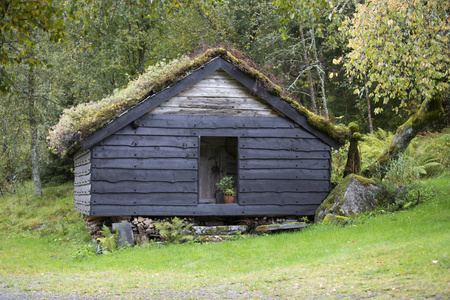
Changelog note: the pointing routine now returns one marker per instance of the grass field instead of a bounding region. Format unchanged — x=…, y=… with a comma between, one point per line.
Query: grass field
x=403, y=254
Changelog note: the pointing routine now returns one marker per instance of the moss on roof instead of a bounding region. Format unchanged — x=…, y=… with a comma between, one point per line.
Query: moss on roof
x=77, y=123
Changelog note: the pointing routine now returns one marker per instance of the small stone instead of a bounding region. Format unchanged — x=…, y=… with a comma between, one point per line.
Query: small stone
x=125, y=233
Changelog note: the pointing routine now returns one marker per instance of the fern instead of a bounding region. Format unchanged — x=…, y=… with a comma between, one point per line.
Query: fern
x=109, y=239
x=174, y=232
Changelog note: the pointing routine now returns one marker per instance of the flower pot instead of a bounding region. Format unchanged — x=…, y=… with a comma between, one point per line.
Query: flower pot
x=229, y=199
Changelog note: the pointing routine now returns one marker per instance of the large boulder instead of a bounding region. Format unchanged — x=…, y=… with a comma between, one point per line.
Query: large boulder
x=354, y=195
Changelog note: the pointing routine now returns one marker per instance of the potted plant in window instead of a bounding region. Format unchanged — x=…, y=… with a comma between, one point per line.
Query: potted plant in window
x=226, y=185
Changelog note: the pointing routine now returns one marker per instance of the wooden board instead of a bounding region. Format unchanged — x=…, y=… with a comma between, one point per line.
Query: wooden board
x=283, y=198
x=84, y=209
x=82, y=190
x=219, y=94
x=281, y=155
x=83, y=199
x=146, y=163
x=310, y=164
x=151, y=141
x=149, y=152
x=212, y=122
x=196, y=131
x=278, y=174
x=203, y=210
x=82, y=170
x=173, y=198
x=82, y=180
x=267, y=185
x=294, y=144
x=116, y=175
x=101, y=187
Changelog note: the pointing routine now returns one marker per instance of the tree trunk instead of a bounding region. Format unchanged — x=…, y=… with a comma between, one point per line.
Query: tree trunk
x=308, y=68
x=353, y=165
x=320, y=72
x=34, y=135
x=141, y=58
x=369, y=113
x=429, y=110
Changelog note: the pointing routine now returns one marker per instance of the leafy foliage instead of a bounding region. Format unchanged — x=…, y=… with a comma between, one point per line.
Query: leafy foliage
x=403, y=47
x=427, y=155
x=109, y=239
x=226, y=185
x=18, y=22
x=174, y=232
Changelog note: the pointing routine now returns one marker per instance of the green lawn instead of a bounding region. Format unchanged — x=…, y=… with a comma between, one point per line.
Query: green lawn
x=403, y=254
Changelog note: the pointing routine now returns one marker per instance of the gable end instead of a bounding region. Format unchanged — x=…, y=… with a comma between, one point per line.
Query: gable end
x=249, y=82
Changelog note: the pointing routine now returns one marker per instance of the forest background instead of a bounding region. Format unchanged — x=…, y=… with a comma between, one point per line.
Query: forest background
x=369, y=62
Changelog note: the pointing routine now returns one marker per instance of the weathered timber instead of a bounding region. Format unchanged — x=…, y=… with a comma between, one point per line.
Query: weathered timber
x=82, y=170
x=83, y=159
x=284, y=164
x=323, y=174
x=284, y=186
x=151, y=141
x=213, y=122
x=203, y=210
x=84, y=209
x=280, y=227
x=82, y=190
x=295, y=144
x=218, y=230
x=116, y=175
x=228, y=98
x=80, y=154
x=280, y=155
x=172, y=198
x=146, y=163
x=197, y=131
x=82, y=180
x=143, y=187
x=282, y=198
x=150, y=152
x=83, y=199
x=212, y=111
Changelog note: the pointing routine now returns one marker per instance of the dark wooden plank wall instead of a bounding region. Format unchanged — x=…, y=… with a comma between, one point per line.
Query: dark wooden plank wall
x=283, y=171
x=151, y=167
x=82, y=181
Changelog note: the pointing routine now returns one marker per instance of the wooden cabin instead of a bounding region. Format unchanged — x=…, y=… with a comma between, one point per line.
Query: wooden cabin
x=164, y=156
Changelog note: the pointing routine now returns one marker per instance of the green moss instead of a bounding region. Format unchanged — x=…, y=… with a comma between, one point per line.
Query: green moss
x=356, y=136
x=364, y=181
x=331, y=219
x=353, y=127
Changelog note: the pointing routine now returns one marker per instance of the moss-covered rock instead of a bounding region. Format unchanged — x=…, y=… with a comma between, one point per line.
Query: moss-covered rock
x=353, y=196
x=331, y=219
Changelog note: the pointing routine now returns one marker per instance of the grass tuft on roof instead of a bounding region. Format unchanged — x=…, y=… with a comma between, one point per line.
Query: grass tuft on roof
x=79, y=122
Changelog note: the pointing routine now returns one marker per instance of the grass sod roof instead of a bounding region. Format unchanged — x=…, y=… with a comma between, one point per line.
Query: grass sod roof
x=79, y=122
